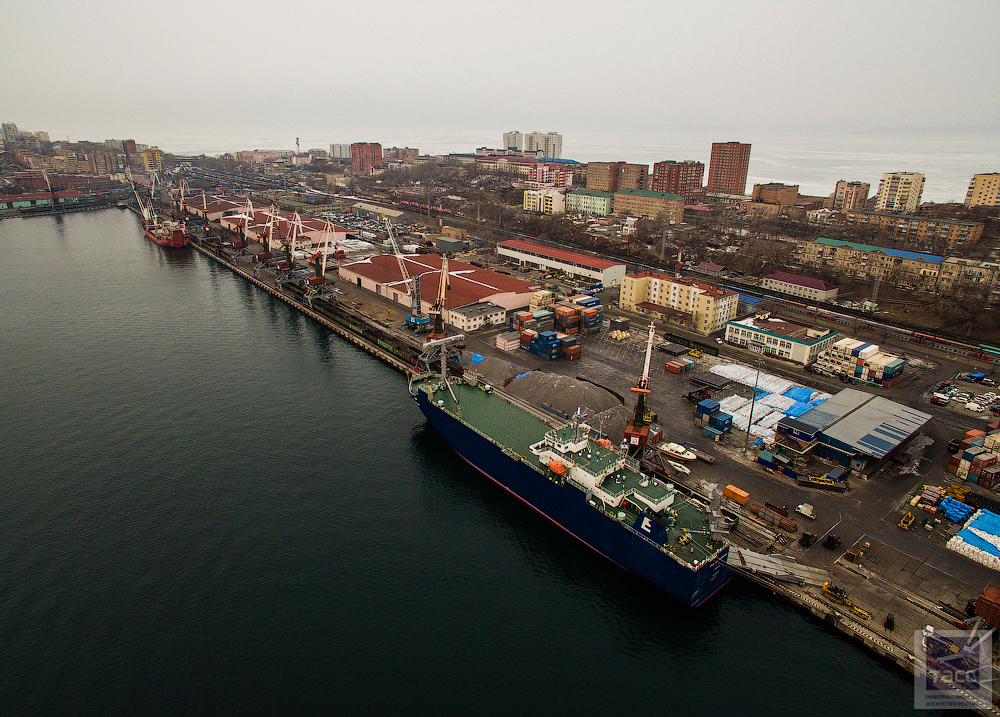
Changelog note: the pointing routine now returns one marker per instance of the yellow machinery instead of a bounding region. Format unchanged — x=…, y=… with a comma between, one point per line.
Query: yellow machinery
x=906, y=522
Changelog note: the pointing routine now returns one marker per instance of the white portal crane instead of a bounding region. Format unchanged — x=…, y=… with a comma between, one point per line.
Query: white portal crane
x=416, y=319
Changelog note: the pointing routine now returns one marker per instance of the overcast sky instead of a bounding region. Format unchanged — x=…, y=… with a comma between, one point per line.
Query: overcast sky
x=347, y=71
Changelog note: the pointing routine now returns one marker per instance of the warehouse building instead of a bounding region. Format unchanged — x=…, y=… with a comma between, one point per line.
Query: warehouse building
x=854, y=430
x=468, y=285
x=600, y=271
x=765, y=333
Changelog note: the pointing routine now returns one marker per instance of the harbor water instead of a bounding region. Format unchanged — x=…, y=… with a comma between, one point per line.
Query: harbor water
x=211, y=505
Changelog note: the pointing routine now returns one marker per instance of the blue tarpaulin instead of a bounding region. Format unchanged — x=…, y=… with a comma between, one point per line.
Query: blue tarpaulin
x=959, y=512
x=522, y=375
x=800, y=393
x=976, y=542
x=797, y=409
x=476, y=358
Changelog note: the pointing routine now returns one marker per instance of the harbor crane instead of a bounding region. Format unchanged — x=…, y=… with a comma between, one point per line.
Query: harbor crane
x=416, y=319
x=637, y=429
x=437, y=310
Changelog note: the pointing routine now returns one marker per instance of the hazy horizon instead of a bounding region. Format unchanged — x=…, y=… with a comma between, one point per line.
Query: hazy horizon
x=635, y=80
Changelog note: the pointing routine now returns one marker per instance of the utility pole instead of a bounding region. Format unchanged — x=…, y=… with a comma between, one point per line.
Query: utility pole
x=753, y=401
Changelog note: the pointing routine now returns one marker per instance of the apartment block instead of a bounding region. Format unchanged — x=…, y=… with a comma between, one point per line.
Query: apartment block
x=784, y=195
x=340, y=151
x=985, y=274
x=513, y=140
x=152, y=159
x=699, y=307
x=850, y=195
x=894, y=266
x=549, y=144
x=546, y=201
x=588, y=201
x=405, y=155
x=921, y=230
x=899, y=192
x=683, y=178
x=984, y=191
x=366, y=156
x=612, y=176
x=644, y=203
x=728, y=167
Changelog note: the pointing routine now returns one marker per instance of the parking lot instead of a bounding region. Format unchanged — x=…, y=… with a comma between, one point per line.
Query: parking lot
x=968, y=397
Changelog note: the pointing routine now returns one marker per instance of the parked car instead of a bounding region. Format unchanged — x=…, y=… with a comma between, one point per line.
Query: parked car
x=988, y=382
x=974, y=407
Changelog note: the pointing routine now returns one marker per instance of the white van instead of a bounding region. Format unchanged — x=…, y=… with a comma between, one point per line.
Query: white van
x=974, y=407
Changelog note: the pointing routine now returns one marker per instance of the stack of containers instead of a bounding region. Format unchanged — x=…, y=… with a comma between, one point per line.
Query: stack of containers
x=509, y=341
x=704, y=410
x=720, y=421
x=570, y=346
x=567, y=319
x=541, y=300
x=591, y=313
x=983, y=460
x=546, y=345
x=675, y=366
x=527, y=336
x=544, y=320
x=893, y=372
x=523, y=321
x=689, y=363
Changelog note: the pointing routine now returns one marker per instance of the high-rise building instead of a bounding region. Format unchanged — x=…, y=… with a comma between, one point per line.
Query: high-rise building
x=340, y=151
x=728, y=168
x=42, y=136
x=850, y=195
x=128, y=145
x=984, y=191
x=513, y=140
x=612, y=176
x=366, y=156
x=9, y=131
x=152, y=159
x=899, y=192
x=550, y=143
x=683, y=178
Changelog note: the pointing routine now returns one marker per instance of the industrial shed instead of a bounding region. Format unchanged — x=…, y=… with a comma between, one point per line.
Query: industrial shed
x=853, y=429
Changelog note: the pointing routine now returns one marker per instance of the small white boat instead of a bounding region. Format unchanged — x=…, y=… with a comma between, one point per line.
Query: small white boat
x=680, y=467
x=676, y=450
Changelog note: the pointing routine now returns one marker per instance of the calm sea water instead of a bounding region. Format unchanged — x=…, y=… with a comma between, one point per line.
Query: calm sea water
x=210, y=505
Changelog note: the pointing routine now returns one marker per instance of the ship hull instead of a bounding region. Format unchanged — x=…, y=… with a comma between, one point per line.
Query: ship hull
x=568, y=508
x=174, y=239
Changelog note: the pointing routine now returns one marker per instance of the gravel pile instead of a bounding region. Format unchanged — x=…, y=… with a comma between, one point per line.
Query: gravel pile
x=561, y=392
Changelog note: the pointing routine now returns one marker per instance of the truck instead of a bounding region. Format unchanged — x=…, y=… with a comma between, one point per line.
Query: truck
x=698, y=395
x=806, y=510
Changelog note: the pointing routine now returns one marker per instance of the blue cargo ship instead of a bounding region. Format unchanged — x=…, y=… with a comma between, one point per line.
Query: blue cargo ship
x=582, y=484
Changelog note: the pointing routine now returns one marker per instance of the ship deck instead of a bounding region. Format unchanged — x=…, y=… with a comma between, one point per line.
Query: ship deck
x=515, y=428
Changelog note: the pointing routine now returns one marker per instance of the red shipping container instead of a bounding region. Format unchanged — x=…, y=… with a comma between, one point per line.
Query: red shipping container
x=316, y=280
x=985, y=482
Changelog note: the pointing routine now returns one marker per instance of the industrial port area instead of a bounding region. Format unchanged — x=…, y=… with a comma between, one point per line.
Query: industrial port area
x=865, y=551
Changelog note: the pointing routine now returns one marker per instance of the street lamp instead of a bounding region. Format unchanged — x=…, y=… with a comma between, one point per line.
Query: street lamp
x=753, y=400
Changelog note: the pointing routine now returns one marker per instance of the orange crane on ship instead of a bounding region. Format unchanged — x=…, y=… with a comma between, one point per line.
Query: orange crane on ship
x=637, y=429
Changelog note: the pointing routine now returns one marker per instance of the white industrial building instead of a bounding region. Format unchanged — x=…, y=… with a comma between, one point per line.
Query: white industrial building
x=526, y=253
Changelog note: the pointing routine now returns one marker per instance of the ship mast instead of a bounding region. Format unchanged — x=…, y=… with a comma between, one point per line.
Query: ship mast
x=637, y=429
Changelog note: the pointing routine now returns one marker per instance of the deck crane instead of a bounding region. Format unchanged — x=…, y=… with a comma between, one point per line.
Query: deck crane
x=437, y=310
x=145, y=208
x=416, y=319
x=637, y=429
